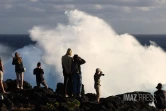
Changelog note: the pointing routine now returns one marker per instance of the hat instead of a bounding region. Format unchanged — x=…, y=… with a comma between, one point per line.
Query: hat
x=98, y=69
x=159, y=85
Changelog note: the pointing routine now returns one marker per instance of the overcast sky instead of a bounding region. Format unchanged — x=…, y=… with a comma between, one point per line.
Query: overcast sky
x=125, y=16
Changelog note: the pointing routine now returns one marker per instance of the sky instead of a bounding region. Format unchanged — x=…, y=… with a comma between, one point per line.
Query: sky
x=124, y=16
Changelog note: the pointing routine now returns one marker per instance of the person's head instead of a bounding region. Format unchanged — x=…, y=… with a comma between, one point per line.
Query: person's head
x=38, y=64
x=16, y=54
x=98, y=71
x=69, y=52
x=75, y=57
x=159, y=86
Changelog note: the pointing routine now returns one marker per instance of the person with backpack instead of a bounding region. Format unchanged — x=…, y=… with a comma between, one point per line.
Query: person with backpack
x=97, y=85
x=66, y=61
x=160, y=98
x=19, y=69
x=38, y=71
x=1, y=75
x=77, y=74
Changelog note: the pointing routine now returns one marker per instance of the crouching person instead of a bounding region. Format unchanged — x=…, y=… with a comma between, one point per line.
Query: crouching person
x=97, y=85
x=38, y=71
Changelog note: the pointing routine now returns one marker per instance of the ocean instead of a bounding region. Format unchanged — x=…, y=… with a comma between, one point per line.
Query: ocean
x=27, y=47
x=19, y=41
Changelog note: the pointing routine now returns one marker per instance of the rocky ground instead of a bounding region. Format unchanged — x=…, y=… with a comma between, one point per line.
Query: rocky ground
x=42, y=99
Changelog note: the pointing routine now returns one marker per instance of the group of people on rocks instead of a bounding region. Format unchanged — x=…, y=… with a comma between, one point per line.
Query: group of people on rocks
x=73, y=76
x=19, y=69
x=72, y=73
x=71, y=67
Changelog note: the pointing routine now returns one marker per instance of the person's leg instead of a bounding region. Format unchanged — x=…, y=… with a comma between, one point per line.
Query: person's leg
x=66, y=79
x=17, y=80
x=38, y=83
x=98, y=93
x=1, y=84
x=1, y=81
x=70, y=85
x=44, y=84
x=74, y=84
x=79, y=85
x=22, y=79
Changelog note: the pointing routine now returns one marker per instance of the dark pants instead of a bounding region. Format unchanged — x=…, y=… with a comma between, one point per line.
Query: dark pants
x=68, y=84
x=77, y=84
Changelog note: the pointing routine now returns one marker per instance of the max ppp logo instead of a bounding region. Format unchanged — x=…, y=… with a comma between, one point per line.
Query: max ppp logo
x=138, y=97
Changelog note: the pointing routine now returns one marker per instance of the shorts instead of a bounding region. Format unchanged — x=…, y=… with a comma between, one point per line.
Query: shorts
x=1, y=76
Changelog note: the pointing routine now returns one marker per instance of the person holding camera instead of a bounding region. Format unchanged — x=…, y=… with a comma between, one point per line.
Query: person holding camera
x=77, y=74
x=97, y=85
x=38, y=71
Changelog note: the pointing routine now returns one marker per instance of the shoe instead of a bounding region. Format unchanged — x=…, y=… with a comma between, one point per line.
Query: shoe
x=66, y=96
x=47, y=86
x=21, y=87
x=18, y=87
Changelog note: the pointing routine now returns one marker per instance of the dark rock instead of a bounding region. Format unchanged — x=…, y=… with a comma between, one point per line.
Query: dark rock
x=42, y=99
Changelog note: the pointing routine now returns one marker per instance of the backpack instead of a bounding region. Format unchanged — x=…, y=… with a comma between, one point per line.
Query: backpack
x=160, y=99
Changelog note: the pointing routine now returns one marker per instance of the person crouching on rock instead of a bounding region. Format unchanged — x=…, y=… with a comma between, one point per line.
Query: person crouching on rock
x=38, y=71
x=97, y=85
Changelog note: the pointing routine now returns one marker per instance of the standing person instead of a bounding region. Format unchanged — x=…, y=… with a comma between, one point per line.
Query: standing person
x=66, y=66
x=77, y=74
x=38, y=71
x=97, y=85
x=1, y=75
x=19, y=69
x=160, y=98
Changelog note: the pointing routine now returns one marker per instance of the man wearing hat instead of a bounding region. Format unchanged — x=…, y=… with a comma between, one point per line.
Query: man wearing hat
x=160, y=98
x=97, y=85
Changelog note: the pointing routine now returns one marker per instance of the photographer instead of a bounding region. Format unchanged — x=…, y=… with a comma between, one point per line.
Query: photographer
x=77, y=74
x=97, y=85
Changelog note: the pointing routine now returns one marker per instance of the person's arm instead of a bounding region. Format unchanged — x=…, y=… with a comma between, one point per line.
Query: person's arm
x=34, y=72
x=42, y=71
x=81, y=61
x=155, y=100
x=13, y=62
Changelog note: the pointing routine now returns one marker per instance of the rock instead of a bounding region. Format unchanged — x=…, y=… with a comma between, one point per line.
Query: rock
x=42, y=99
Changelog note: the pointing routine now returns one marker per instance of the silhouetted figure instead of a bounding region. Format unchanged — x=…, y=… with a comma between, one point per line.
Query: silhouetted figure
x=97, y=85
x=160, y=98
x=38, y=71
x=1, y=75
x=66, y=66
x=77, y=74
x=19, y=69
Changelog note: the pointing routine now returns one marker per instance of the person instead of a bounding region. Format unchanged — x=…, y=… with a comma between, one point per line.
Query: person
x=19, y=69
x=66, y=61
x=77, y=75
x=97, y=85
x=1, y=75
x=38, y=71
x=159, y=96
